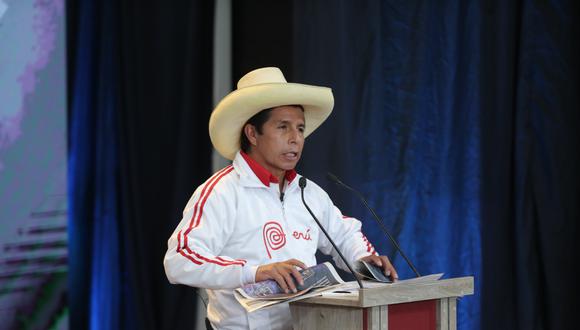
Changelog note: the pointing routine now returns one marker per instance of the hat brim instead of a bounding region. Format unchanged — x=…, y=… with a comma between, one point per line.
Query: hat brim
x=230, y=115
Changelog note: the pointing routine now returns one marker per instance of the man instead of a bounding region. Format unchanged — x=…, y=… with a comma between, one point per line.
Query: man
x=247, y=222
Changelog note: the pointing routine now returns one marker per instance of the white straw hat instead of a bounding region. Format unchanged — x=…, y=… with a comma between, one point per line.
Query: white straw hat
x=262, y=89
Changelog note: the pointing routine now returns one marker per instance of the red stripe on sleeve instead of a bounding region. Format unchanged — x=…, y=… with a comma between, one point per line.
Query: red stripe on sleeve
x=370, y=247
x=197, y=221
x=222, y=259
x=217, y=262
x=189, y=257
x=206, y=185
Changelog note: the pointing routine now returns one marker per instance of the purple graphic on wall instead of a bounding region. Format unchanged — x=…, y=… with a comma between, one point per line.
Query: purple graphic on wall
x=33, y=206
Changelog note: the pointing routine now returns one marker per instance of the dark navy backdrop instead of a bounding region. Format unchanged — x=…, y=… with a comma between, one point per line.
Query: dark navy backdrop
x=458, y=120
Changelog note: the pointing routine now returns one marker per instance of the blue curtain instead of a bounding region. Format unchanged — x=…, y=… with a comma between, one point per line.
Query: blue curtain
x=457, y=120
x=140, y=98
x=94, y=247
x=405, y=129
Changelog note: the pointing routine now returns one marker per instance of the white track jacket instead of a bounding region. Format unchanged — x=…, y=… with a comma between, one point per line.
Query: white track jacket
x=234, y=222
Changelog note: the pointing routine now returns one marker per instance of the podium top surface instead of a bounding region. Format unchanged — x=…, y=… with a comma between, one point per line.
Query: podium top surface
x=397, y=293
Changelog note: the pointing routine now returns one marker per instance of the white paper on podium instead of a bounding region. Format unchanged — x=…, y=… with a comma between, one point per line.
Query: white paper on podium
x=421, y=279
x=349, y=289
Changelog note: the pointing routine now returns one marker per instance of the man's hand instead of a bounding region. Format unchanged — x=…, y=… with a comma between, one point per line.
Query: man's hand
x=282, y=273
x=384, y=263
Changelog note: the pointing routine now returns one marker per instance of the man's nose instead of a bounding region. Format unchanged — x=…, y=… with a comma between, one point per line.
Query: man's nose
x=295, y=136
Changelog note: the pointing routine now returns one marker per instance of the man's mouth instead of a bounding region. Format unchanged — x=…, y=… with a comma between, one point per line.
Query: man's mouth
x=290, y=155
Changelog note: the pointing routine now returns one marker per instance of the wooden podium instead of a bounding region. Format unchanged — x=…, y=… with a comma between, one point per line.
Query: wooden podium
x=401, y=306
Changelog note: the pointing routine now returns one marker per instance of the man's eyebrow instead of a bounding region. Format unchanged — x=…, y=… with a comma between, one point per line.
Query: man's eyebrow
x=284, y=121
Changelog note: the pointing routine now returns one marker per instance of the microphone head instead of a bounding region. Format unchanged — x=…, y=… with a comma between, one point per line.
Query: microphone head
x=302, y=182
x=332, y=177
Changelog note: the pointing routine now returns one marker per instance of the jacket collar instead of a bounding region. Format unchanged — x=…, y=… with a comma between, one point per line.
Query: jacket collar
x=254, y=174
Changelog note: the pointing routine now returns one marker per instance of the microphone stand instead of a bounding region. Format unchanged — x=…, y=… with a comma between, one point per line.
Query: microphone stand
x=336, y=180
x=302, y=184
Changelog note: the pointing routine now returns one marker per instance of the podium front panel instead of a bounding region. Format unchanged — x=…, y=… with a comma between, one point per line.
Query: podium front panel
x=404, y=306
x=437, y=314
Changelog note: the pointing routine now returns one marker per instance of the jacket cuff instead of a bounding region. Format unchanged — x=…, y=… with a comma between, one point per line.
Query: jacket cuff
x=249, y=274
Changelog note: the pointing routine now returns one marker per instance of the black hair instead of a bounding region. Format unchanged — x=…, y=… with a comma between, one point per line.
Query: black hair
x=257, y=121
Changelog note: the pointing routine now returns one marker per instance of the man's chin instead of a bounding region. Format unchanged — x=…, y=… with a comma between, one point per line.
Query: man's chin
x=289, y=166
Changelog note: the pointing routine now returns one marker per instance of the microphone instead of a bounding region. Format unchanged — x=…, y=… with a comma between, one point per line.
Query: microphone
x=334, y=179
x=302, y=184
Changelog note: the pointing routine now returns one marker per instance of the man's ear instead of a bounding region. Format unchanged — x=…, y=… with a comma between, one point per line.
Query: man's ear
x=250, y=131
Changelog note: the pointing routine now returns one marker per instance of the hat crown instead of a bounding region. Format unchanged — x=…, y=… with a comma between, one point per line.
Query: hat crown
x=271, y=75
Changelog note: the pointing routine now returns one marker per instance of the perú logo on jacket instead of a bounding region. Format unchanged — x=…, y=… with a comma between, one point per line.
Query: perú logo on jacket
x=274, y=237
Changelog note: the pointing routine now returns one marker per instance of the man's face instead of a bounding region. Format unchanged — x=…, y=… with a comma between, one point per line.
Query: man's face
x=279, y=147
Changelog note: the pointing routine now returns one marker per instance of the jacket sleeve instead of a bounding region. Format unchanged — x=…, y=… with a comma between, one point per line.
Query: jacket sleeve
x=192, y=256
x=346, y=233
